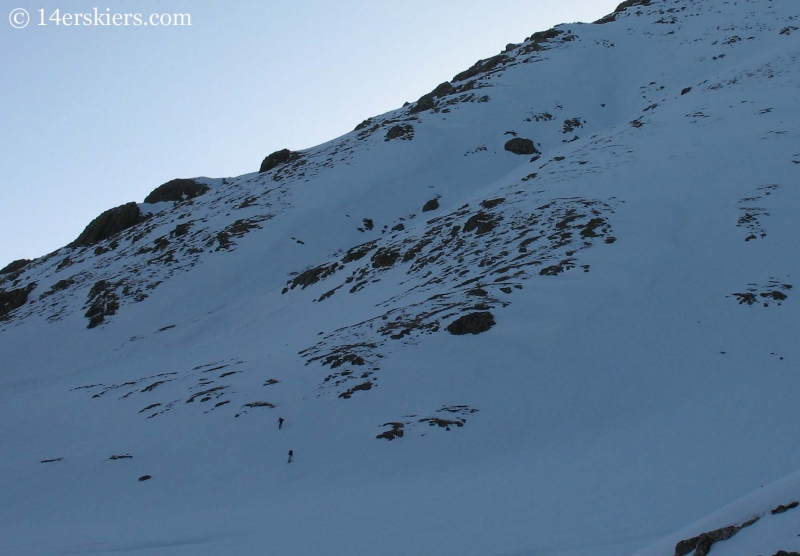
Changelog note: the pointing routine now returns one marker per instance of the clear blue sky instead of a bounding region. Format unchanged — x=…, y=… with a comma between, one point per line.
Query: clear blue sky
x=96, y=116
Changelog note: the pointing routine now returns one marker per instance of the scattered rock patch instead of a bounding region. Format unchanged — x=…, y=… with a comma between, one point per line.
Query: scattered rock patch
x=399, y=428
x=449, y=262
x=404, y=132
x=358, y=252
x=311, y=276
x=385, y=257
x=481, y=223
x=773, y=292
x=571, y=125
x=103, y=302
x=364, y=386
x=238, y=229
x=211, y=393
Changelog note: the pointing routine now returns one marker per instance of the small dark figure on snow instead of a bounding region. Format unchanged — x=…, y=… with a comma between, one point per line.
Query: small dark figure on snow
x=291, y=456
x=280, y=423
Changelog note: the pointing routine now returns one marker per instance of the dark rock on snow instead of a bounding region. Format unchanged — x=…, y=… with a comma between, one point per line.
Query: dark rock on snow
x=621, y=8
x=277, y=158
x=405, y=131
x=363, y=125
x=395, y=432
x=482, y=66
x=103, y=302
x=433, y=204
x=109, y=223
x=519, y=145
x=14, y=299
x=701, y=544
x=14, y=266
x=176, y=190
x=349, y=393
x=482, y=222
x=426, y=102
x=782, y=509
x=473, y=323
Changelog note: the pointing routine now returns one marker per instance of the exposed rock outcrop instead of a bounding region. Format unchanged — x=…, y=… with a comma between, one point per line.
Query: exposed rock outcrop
x=277, y=158
x=405, y=131
x=103, y=302
x=14, y=266
x=520, y=145
x=482, y=66
x=433, y=204
x=701, y=544
x=783, y=509
x=437, y=99
x=482, y=222
x=621, y=8
x=426, y=102
x=14, y=299
x=176, y=190
x=473, y=323
x=108, y=224
x=536, y=41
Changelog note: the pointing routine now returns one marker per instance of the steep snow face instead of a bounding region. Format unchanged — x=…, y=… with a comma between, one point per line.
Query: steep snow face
x=548, y=308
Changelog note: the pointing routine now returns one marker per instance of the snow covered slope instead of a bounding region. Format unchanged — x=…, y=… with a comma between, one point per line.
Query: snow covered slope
x=548, y=308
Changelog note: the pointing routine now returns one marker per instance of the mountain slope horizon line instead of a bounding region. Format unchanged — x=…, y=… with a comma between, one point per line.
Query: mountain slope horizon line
x=119, y=218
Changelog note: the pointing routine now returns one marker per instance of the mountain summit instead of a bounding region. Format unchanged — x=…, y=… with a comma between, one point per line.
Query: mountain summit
x=547, y=308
